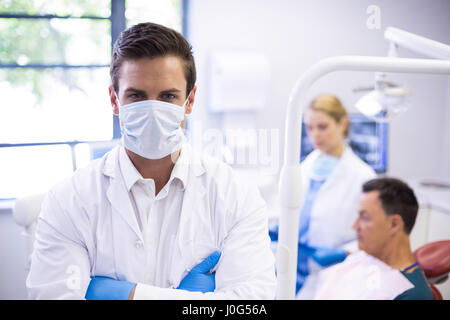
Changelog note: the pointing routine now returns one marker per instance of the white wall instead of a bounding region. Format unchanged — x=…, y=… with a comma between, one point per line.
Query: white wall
x=294, y=34
x=445, y=160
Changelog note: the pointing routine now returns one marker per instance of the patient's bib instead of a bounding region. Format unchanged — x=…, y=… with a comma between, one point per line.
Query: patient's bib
x=361, y=277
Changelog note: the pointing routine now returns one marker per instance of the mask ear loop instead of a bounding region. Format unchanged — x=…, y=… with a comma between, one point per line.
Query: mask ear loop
x=186, y=101
x=117, y=101
x=184, y=107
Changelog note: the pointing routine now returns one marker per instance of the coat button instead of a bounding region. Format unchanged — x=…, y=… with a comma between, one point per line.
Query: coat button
x=138, y=244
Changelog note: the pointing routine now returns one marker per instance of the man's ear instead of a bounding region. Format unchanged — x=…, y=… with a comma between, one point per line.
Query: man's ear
x=191, y=99
x=113, y=100
x=395, y=223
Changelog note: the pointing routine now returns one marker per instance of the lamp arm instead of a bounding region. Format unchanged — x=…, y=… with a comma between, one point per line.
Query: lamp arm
x=418, y=44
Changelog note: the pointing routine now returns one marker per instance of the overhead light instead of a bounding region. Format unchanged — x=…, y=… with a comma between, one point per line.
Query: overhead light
x=385, y=101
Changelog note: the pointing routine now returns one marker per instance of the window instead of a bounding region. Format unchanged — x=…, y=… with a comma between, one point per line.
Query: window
x=166, y=12
x=54, y=75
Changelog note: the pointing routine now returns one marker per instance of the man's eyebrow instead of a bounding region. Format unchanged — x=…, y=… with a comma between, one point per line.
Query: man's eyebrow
x=131, y=89
x=172, y=90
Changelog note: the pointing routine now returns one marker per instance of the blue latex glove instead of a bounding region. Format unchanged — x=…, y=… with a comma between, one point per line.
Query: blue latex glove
x=104, y=288
x=199, y=279
x=273, y=233
x=324, y=256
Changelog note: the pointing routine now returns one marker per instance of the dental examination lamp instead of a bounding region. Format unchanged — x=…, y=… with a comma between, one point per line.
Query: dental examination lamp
x=389, y=97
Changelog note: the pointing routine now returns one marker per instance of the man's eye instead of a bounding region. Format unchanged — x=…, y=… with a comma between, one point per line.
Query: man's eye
x=168, y=96
x=135, y=96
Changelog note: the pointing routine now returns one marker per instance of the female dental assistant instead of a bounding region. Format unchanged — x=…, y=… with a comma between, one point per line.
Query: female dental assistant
x=332, y=180
x=332, y=176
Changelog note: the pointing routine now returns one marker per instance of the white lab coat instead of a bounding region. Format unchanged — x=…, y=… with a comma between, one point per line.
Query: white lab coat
x=87, y=227
x=335, y=208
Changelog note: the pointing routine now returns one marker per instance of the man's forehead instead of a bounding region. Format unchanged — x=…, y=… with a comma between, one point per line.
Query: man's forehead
x=370, y=199
x=157, y=74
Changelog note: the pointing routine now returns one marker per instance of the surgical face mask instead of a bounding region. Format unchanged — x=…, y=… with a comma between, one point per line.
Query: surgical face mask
x=151, y=128
x=323, y=167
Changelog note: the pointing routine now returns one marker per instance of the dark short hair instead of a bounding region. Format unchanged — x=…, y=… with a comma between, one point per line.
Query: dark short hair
x=151, y=40
x=396, y=197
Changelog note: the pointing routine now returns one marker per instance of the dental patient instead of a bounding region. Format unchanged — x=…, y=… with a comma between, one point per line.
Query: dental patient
x=385, y=268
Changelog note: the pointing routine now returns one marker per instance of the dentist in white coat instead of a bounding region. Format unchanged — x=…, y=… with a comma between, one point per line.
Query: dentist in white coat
x=145, y=215
x=332, y=180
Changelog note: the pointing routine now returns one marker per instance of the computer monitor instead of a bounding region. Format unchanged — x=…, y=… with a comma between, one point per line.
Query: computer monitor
x=367, y=138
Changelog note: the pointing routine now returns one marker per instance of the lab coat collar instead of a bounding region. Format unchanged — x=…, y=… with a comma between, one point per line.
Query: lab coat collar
x=189, y=160
x=181, y=168
x=129, y=171
x=131, y=175
x=118, y=195
x=337, y=173
x=110, y=161
x=192, y=159
x=117, y=192
x=347, y=153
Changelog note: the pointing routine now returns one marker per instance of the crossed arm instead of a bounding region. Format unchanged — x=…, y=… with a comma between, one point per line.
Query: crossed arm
x=198, y=279
x=60, y=266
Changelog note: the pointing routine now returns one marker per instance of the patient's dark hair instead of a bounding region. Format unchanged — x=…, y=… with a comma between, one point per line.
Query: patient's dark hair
x=151, y=40
x=396, y=197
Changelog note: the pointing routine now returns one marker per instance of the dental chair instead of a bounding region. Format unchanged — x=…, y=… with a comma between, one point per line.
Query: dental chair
x=434, y=260
x=26, y=211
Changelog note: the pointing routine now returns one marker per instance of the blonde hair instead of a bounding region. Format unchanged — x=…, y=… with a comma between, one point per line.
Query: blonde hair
x=332, y=106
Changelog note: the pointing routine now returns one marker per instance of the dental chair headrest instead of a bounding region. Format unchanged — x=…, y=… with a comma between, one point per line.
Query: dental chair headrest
x=26, y=209
x=434, y=258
